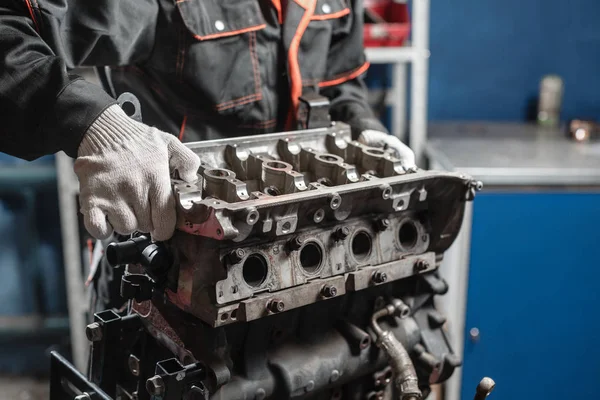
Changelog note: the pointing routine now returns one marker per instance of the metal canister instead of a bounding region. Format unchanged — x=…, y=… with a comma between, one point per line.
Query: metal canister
x=550, y=101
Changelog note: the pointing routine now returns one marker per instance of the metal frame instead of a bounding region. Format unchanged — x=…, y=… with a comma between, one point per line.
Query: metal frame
x=68, y=188
x=417, y=53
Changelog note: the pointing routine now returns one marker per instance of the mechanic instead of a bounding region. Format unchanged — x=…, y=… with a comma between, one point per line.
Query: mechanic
x=203, y=69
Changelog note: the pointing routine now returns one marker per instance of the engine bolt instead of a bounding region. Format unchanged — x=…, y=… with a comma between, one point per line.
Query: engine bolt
x=295, y=244
x=93, y=332
x=309, y=386
x=275, y=306
x=155, y=386
x=329, y=291
x=236, y=256
x=421, y=265
x=382, y=224
x=379, y=277
x=335, y=375
x=341, y=233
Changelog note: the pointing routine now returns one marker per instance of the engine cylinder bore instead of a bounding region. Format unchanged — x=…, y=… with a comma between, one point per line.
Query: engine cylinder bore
x=408, y=235
x=311, y=257
x=361, y=245
x=255, y=270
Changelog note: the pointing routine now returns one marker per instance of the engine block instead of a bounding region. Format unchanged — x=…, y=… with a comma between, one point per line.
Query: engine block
x=304, y=266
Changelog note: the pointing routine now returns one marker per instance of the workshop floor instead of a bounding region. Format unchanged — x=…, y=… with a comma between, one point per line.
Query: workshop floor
x=21, y=388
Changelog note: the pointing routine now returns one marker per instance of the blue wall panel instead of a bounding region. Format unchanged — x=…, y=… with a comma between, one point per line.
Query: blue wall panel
x=533, y=293
x=489, y=56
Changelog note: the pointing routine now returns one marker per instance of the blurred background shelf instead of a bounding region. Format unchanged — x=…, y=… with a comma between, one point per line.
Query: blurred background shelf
x=19, y=177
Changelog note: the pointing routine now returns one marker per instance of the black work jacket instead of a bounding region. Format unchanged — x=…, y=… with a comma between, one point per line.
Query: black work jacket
x=202, y=69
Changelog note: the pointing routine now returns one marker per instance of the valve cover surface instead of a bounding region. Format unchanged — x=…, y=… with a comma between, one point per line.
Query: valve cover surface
x=288, y=244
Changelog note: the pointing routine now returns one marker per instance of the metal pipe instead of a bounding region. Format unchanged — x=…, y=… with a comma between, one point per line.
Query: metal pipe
x=406, y=380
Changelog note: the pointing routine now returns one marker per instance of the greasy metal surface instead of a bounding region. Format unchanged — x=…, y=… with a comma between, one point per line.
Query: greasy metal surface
x=514, y=154
x=275, y=212
x=288, y=245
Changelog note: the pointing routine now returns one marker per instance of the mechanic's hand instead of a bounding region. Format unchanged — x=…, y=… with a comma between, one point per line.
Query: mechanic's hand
x=124, y=169
x=382, y=139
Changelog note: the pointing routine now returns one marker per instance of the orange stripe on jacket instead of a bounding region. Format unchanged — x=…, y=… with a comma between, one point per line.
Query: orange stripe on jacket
x=295, y=75
x=182, y=129
x=334, y=15
x=277, y=5
x=345, y=78
x=231, y=33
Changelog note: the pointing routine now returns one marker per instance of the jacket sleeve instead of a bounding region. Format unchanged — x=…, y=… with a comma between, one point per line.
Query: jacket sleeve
x=344, y=85
x=43, y=108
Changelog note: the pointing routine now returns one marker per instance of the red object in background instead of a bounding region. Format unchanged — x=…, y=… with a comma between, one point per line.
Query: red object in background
x=386, y=23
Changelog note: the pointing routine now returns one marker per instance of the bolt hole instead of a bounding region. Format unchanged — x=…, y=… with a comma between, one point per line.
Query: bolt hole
x=272, y=191
x=188, y=186
x=252, y=217
x=219, y=232
x=286, y=227
x=361, y=245
x=224, y=316
x=387, y=193
x=319, y=215
x=254, y=270
x=311, y=257
x=365, y=342
x=234, y=314
x=408, y=235
x=128, y=107
x=404, y=312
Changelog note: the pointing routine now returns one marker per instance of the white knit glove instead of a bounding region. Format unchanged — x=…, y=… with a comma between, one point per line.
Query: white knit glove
x=381, y=139
x=124, y=169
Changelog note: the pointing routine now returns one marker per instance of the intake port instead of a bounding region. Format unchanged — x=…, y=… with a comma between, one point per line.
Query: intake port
x=311, y=257
x=408, y=235
x=361, y=245
x=255, y=270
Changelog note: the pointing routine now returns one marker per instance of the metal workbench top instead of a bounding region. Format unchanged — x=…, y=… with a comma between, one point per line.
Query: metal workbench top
x=513, y=154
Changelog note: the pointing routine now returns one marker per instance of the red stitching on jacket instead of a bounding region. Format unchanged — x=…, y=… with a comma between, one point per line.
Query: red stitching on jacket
x=261, y=124
x=255, y=68
x=32, y=15
x=231, y=33
x=181, y=53
x=242, y=100
x=257, y=82
x=182, y=108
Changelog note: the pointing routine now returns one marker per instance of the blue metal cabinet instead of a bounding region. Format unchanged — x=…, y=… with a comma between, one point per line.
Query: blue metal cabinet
x=533, y=295
x=530, y=261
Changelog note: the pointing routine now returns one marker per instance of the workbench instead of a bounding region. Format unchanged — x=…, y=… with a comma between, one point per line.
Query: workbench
x=523, y=300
